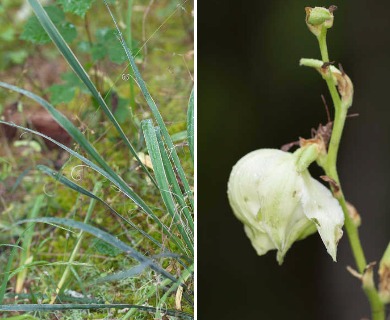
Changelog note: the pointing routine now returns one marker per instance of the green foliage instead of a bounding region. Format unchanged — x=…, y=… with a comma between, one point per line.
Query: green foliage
x=129, y=206
x=120, y=107
x=65, y=92
x=9, y=53
x=61, y=93
x=78, y=7
x=107, y=44
x=17, y=56
x=34, y=32
x=98, y=51
x=8, y=34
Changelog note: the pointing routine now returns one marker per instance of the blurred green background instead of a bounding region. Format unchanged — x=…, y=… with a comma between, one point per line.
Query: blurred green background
x=252, y=94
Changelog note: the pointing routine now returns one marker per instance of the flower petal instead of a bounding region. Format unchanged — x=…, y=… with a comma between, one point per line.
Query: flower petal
x=323, y=209
x=259, y=239
x=264, y=192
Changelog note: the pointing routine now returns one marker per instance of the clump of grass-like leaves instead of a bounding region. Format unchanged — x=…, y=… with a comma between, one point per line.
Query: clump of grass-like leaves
x=172, y=235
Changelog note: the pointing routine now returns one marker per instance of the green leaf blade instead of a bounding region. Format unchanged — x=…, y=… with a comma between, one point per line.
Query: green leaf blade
x=108, y=238
x=153, y=107
x=162, y=181
x=75, y=64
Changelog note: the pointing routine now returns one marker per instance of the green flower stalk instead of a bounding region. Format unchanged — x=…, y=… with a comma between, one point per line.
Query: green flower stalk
x=341, y=90
x=272, y=192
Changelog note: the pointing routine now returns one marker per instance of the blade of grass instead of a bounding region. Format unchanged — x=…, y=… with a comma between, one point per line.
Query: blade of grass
x=79, y=281
x=76, y=248
x=130, y=44
x=62, y=179
x=78, y=188
x=7, y=271
x=173, y=181
x=69, y=56
x=63, y=297
x=73, y=131
x=54, y=307
x=161, y=178
x=112, y=176
x=190, y=124
x=22, y=317
x=152, y=292
x=114, y=241
x=19, y=179
x=26, y=243
x=123, y=274
x=180, y=136
x=184, y=276
x=153, y=107
x=45, y=263
x=76, y=134
x=106, y=237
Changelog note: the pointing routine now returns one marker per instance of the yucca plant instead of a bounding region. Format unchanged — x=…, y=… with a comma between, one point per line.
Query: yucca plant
x=171, y=235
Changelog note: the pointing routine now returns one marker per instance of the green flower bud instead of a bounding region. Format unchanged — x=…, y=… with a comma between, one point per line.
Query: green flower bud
x=318, y=18
x=279, y=202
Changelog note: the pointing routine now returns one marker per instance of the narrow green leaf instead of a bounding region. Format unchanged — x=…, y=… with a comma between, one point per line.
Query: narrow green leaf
x=22, y=317
x=177, y=192
x=80, y=189
x=54, y=307
x=19, y=179
x=105, y=248
x=116, y=180
x=186, y=274
x=7, y=271
x=179, y=136
x=76, y=134
x=26, y=242
x=110, y=239
x=123, y=274
x=64, y=298
x=69, y=56
x=152, y=290
x=161, y=178
x=153, y=107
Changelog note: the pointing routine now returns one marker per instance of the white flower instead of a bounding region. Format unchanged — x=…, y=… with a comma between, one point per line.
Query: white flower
x=279, y=202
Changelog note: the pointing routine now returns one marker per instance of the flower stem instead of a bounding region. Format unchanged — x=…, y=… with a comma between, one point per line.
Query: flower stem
x=323, y=46
x=377, y=307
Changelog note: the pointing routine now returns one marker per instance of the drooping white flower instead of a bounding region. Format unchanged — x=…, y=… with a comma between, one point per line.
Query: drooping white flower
x=279, y=202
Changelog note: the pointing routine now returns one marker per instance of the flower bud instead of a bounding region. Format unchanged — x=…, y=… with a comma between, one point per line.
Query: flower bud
x=279, y=202
x=318, y=18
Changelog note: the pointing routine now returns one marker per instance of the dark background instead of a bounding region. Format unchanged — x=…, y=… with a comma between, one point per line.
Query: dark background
x=252, y=94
